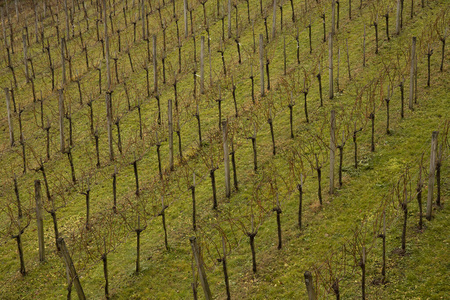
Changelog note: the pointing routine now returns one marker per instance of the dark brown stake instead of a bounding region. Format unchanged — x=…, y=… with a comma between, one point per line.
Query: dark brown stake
x=291, y=108
x=158, y=153
x=138, y=231
x=341, y=158
x=105, y=273
x=319, y=179
x=114, y=183
x=300, y=202
x=119, y=138
x=429, y=53
x=134, y=163
x=197, y=116
x=375, y=25
x=278, y=210
x=192, y=188
x=163, y=216
x=223, y=260
x=272, y=134
x=402, y=97
x=372, y=118
x=213, y=184
x=268, y=76
x=319, y=77
x=87, y=193
x=362, y=264
x=252, y=235
x=72, y=168
x=97, y=152
x=324, y=29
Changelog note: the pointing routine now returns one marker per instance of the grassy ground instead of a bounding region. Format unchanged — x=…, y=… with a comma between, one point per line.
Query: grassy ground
x=419, y=273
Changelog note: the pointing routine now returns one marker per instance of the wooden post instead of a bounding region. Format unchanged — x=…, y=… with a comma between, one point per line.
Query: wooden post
x=224, y=265
x=25, y=58
x=261, y=62
x=63, y=62
x=61, y=121
x=192, y=187
x=109, y=124
x=170, y=134
x=229, y=18
x=364, y=47
x=71, y=268
x=363, y=268
x=185, y=9
x=155, y=66
x=202, y=65
x=39, y=219
x=411, y=84
x=333, y=16
x=330, y=61
x=432, y=173
x=309, y=286
x=332, y=148
x=200, y=268
x=274, y=24
x=67, y=18
x=10, y=125
x=300, y=195
x=278, y=210
x=226, y=159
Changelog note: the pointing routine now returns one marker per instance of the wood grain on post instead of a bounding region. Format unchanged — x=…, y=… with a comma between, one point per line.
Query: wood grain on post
x=185, y=9
x=108, y=71
x=200, y=268
x=202, y=65
x=170, y=134
x=432, y=173
x=25, y=57
x=330, y=61
x=155, y=65
x=10, y=125
x=261, y=62
x=309, y=286
x=274, y=24
x=67, y=18
x=39, y=219
x=109, y=125
x=61, y=120
x=71, y=268
x=226, y=159
x=411, y=84
x=332, y=149
x=333, y=16
x=63, y=62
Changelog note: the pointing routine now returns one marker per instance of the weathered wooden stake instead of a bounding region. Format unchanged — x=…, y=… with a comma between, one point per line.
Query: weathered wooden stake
x=71, y=268
x=413, y=64
x=200, y=267
x=332, y=148
x=61, y=121
x=10, y=125
x=226, y=159
x=432, y=174
x=39, y=219
x=261, y=63
x=309, y=286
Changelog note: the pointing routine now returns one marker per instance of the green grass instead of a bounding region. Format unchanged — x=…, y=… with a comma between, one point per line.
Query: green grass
x=420, y=273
